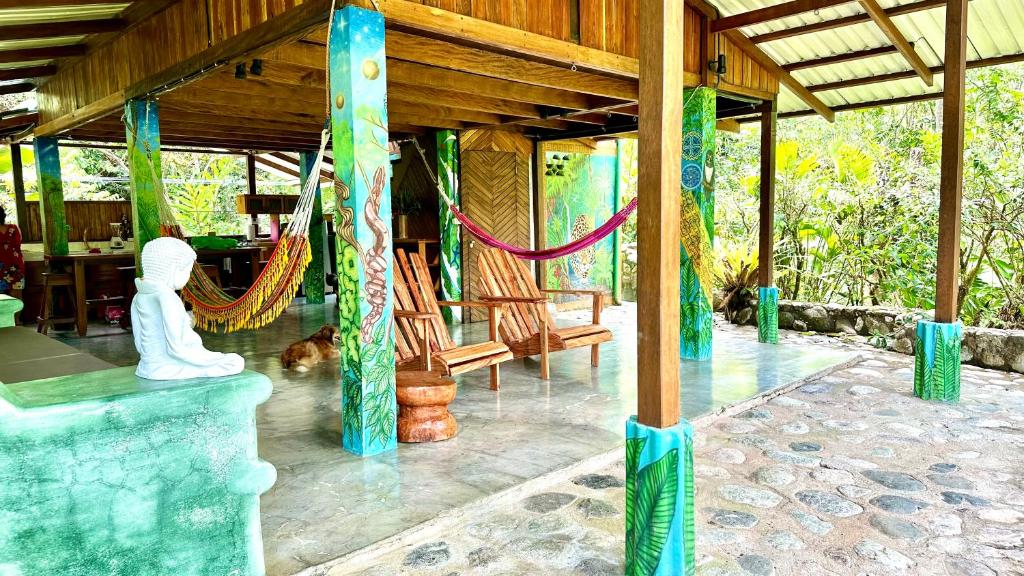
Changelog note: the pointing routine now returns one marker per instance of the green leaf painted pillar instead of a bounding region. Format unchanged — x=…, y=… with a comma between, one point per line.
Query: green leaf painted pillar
x=451, y=244
x=659, y=500
x=617, y=236
x=768, y=315
x=359, y=129
x=313, y=282
x=51, y=196
x=142, y=129
x=697, y=224
x=108, y=473
x=937, y=361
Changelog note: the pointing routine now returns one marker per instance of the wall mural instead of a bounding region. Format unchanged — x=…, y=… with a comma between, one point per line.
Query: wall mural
x=579, y=194
x=142, y=128
x=359, y=135
x=937, y=361
x=51, y=196
x=313, y=281
x=451, y=241
x=697, y=224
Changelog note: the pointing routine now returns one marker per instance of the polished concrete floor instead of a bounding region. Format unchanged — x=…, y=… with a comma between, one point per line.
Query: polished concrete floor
x=327, y=503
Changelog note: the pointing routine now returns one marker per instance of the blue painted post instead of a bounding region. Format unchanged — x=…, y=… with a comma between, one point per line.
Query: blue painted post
x=937, y=361
x=659, y=500
x=768, y=315
x=451, y=243
x=142, y=129
x=697, y=226
x=51, y=196
x=313, y=282
x=359, y=128
x=768, y=294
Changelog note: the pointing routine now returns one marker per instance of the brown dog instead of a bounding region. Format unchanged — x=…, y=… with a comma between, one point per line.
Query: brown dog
x=307, y=353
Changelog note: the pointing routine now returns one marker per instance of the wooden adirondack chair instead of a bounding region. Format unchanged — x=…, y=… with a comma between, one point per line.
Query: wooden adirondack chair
x=529, y=329
x=422, y=341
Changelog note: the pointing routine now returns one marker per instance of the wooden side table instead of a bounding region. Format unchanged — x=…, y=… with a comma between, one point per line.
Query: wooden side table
x=423, y=399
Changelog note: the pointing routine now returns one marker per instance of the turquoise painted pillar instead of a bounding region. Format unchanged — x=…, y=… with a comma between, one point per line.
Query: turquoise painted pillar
x=768, y=315
x=659, y=500
x=313, y=282
x=616, y=236
x=697, y=224
x=359, y=129
x=937, y=361
x=51, y=196
x=108, y=473
x=451, y=243
x=142, y=130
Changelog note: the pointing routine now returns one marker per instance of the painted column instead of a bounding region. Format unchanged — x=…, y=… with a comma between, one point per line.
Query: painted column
x=142, y=128
x=768, y=315
x=659, y=500
x=313, y=283
x=451, y=243
x=937, y=361
x=697, y=224
x=359, y=129
x=51, y=196
x=617, y=236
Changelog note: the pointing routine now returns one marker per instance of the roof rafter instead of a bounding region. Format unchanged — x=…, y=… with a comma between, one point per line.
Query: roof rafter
x=897, y=38
x=769, y=13
x=48, y=53
x=58, y=29
x=759, y=56
x=26, y=72
x=905, y=74
x=839, y=58
x=845, y=21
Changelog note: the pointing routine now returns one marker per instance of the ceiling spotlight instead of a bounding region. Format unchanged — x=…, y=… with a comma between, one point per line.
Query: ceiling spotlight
x=718, y=65
x=256, y=69
x=240, y=71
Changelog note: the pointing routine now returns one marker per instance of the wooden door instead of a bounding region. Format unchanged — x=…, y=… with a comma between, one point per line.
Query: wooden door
x=495, y=195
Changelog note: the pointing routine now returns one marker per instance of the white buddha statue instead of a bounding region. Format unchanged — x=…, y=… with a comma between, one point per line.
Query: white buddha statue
x=169, y=348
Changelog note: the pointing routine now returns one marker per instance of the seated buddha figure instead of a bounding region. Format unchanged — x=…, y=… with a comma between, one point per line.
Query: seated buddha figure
x=169, y=348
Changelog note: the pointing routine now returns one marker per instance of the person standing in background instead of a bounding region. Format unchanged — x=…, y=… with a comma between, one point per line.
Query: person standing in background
x=12, y=264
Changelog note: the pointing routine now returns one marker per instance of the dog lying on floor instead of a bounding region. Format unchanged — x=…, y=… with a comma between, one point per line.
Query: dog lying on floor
x=304, y=354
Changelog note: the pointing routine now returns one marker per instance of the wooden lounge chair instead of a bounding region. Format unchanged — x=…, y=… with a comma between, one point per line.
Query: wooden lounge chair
x=422, y=341
x=529, y=329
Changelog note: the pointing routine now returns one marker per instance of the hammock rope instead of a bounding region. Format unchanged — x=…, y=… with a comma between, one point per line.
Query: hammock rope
x=598, y=234
x=272, y=291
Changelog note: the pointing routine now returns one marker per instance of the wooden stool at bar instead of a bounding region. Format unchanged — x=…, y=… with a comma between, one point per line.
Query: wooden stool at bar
x=423, y=399
x=51, y=282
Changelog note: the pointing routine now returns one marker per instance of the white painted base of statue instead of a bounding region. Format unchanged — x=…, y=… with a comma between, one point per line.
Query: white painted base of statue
x=169, y=348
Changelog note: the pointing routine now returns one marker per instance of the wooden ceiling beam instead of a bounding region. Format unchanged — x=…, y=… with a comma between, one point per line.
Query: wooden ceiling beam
x=59, y=29
x=455, y=57
x=8, y=122
x=429, y=21
x=898, y=39
x=840, y=58
x=845, y=21
x=425, y=122
x=428, y=95
x=415, y=108
x=785, y=78
x=769, y=13
x=7, y=4
x=27, y=72
x=48, y=53
x=16, y=88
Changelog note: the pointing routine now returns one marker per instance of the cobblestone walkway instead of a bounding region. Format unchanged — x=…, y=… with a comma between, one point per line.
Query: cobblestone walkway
x=849, y=474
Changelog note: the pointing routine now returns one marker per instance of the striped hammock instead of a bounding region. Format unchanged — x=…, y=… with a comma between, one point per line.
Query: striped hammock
x=273, y=289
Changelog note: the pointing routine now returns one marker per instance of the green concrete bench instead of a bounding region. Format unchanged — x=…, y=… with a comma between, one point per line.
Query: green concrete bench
x=9, y=308
x=108, y=473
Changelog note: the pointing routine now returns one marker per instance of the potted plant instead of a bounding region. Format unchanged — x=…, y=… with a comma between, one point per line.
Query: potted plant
x=406, y=203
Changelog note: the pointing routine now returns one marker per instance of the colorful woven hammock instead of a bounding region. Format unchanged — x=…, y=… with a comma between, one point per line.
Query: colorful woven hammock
x=273, y=289
x=525, y=253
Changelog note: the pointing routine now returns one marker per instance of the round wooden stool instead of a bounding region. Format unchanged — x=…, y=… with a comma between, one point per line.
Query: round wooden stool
x=423, y=399
x=51, y=281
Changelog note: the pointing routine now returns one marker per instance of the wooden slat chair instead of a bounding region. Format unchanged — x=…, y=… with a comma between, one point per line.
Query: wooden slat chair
x=422, y=341
x=529, y=329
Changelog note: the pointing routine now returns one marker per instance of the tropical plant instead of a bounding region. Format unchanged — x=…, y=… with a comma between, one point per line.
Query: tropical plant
x=736, y=276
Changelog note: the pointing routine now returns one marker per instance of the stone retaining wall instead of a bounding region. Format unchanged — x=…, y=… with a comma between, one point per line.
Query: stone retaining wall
x=985, y=347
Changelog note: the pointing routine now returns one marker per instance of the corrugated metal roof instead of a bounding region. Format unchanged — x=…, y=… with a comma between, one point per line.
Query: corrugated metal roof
x=51, y=14
x=994, y=27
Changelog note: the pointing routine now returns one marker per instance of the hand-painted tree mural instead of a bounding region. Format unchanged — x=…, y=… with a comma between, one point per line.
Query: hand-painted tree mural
x=142, y=128
x=313, y=282
x=937, y=361
x=359, y=129
x=579, y=194
x=697, y=224
x=451, y=242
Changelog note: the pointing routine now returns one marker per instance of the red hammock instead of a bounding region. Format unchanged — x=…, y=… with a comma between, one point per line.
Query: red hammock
x=548, y=253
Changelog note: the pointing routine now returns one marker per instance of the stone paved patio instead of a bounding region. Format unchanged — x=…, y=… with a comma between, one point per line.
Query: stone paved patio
x=849, y=474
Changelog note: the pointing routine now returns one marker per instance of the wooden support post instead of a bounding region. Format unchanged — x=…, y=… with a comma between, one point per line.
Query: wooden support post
x=697, y=224
x=51, y=196
x=660, y=138
x=142, y=128
x=359, y=129
x=313, y=282
x=450, y=256
x=19, y=187
x=767, y=293
x=766, y=223
x=250, y=171
x=951, y=177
